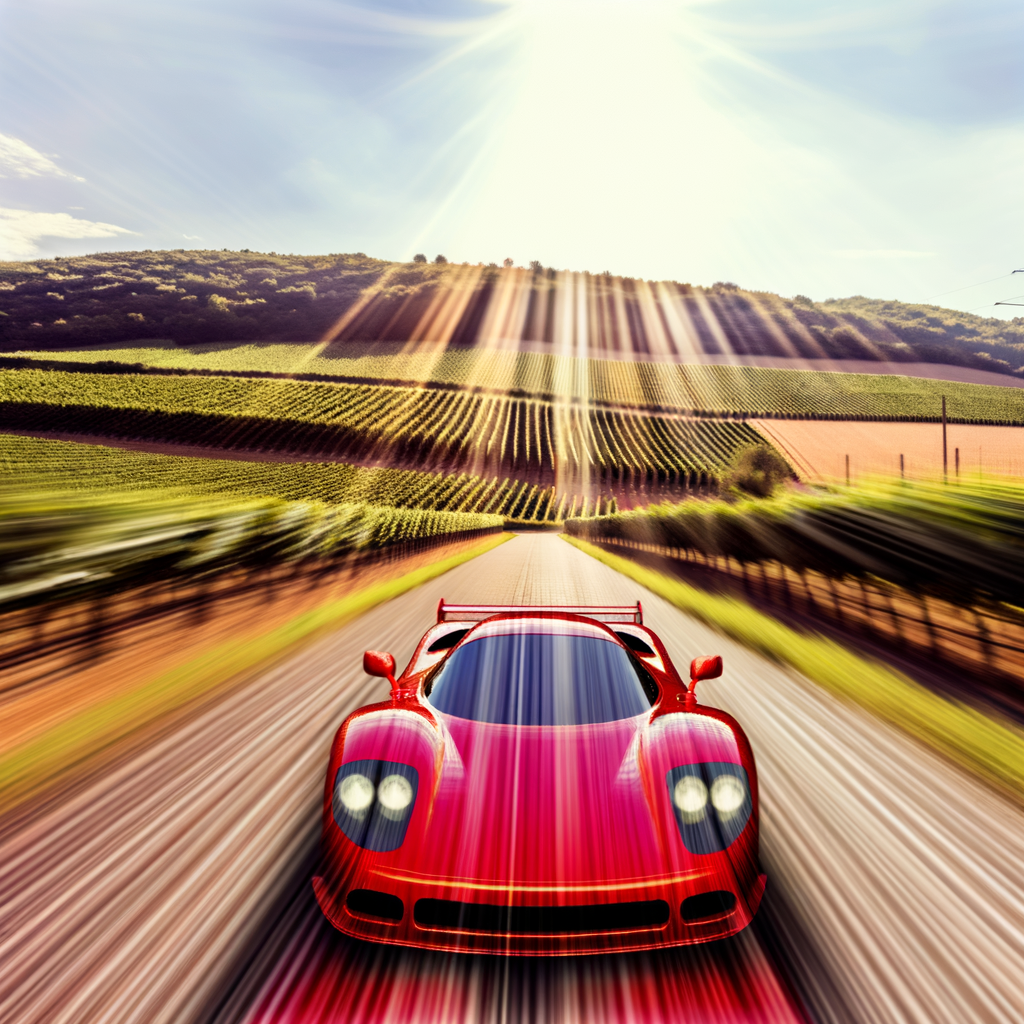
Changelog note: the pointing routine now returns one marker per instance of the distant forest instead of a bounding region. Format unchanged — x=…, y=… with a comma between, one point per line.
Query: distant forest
x=200, y=297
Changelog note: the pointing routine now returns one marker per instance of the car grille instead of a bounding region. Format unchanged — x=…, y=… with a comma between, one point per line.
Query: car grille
x=486, y=917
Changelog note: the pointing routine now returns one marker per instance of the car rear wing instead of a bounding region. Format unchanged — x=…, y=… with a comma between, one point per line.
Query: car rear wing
x=601, y=612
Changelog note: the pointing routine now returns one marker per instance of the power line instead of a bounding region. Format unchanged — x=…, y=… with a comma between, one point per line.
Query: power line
x=968, y=286
x=978, y=285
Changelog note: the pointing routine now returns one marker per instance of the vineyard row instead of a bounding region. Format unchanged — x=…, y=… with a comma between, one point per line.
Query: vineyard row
x=698, y=390
x=546, y=442
x=28, y=463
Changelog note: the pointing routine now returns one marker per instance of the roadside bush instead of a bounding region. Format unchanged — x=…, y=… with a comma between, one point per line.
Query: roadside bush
x=757, y=471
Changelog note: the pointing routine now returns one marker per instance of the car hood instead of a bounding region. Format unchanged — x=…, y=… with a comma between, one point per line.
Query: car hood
x=539, y=805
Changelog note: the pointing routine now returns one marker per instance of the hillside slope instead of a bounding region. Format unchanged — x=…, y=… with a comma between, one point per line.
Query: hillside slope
x=201, y=297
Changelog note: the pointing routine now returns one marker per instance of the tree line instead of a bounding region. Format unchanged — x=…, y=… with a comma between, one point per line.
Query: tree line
x=202, y=297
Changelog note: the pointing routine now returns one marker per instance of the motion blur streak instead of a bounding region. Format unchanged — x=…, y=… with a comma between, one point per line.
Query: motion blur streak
x=327, y=979
x=892, y=874
x=177, y=887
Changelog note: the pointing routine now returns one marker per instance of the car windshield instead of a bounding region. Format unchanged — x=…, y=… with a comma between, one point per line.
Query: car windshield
x=539, y=679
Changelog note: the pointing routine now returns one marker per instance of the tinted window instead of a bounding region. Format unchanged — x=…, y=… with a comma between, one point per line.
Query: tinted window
x=539, y=679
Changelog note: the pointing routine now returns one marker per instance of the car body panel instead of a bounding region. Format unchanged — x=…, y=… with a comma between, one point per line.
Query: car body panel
x=554, y=818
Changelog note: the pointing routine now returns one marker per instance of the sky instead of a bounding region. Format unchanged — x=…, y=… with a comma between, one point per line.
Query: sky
x=794, y=146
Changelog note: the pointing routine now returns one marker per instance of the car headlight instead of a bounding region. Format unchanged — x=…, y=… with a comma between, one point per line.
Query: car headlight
x=373, y=802
x=690, y=797
x=728, y=794
x=356, y=793
x=712, y=804
x=394, y=795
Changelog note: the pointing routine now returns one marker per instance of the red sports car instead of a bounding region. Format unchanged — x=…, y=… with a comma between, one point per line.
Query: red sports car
x=541, y=781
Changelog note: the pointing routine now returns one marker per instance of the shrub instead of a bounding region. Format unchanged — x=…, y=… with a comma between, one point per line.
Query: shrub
x=758, y=471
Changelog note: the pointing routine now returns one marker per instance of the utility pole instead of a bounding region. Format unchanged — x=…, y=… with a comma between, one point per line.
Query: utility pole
x=945, y=458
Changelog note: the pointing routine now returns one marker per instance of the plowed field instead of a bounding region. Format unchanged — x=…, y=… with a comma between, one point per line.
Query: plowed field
x=817, y=449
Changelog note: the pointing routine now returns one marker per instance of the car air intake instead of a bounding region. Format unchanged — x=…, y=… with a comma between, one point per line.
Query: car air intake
x=447, y=642
x=486, y=917
x=634, y=643
x=708, y=904
x=371, y=903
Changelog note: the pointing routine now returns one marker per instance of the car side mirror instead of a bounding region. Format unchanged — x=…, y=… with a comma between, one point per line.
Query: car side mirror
x=708, y=666
x=379, y=663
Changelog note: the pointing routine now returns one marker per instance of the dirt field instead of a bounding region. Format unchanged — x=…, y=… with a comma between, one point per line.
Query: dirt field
x=818, y=448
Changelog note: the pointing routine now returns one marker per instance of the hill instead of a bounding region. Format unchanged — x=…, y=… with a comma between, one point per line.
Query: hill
x=205, y=297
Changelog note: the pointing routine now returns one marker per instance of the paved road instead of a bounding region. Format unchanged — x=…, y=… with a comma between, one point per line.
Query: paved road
x=175, y=888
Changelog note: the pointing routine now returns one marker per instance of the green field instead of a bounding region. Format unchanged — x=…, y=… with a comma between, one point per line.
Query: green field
x=29, y=463
x=528, y=434
x=690, y=389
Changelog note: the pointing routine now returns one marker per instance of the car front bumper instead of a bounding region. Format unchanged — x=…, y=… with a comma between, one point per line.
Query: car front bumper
x=540, y=920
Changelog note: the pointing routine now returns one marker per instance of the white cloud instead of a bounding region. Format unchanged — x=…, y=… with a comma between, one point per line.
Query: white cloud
x=20, y=231
x=19, y=160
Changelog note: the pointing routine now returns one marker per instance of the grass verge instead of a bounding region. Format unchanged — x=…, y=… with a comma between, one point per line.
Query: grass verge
x=969, y=737
x=24, y=769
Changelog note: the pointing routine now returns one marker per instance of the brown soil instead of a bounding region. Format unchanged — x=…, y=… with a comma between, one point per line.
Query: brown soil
x=818, y=448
